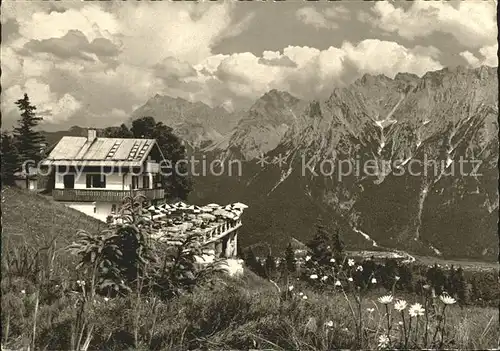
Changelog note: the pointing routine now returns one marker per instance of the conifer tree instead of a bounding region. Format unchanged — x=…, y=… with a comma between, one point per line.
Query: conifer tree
x=436, y=278
x=270, y=266
x=9, y=159
x=389, y=273
x=28, y=140
x=253, y=263
x=321, y=244
x=461, y=287
x=291, y=263
x=406, y=277
x=450, y=282
x=338, y=246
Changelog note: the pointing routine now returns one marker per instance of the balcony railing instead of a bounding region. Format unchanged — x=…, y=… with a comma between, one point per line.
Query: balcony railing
x=221, y=231
x=85, y=195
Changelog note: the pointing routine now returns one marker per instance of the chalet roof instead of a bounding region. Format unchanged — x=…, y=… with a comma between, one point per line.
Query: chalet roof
x=72, y=151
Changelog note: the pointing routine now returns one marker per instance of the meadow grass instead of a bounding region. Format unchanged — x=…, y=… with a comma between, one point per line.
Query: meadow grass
x=231, y=313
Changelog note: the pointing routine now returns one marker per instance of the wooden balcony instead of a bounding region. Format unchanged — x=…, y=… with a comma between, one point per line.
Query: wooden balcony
x=210, y=235
x=91, y=195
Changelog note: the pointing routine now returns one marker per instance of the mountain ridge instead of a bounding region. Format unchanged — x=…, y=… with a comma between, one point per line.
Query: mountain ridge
x=444, y=116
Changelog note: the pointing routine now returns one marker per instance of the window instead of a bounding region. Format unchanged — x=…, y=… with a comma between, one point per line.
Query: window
x=157, y=181
x=96, y=181
x=135, y=182
x=69, y=181
x=145, y=182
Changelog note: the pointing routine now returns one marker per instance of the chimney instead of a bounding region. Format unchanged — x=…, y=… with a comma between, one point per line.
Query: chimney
x=92, y=134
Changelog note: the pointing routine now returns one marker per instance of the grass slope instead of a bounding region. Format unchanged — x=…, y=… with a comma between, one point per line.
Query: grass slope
x=32, y=217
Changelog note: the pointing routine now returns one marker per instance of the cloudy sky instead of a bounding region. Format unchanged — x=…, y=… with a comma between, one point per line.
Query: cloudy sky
x=92, y=64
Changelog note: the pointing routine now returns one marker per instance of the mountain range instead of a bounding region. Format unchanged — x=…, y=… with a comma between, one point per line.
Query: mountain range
x=413, y=145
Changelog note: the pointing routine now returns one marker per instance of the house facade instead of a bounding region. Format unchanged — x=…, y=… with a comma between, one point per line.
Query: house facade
x=94, y=174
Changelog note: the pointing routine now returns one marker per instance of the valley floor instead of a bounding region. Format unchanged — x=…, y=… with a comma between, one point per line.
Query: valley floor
x=466, y=264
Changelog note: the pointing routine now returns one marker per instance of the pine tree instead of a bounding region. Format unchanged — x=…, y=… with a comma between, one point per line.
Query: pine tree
x=9, y=159
x=253, y=263
x=406, y=277
x=321, y=244
x=27, y=139
x=270, y=266
x=461, y=287
x=291, y=263
x=338, y=246
x=389, y=272
x=450, y=285
x=436, y=278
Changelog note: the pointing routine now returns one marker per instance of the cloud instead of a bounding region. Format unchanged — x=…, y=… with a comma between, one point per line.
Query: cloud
x=51, y=107
x=310, y=16
x=471, y=23
x=488, y=56
x=186, y=31
x=108, y=57
x=283, y=61
x=93, y=64
x=74, y=44
x=234, y=80
x=10, y=28
x=91, y=20
x=171, y=68
x=326, y=19
x=238, y=79
x=338, y=11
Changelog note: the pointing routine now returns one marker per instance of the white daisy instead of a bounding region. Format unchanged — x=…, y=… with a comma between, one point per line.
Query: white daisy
x=416, y=310
x=387, y=299
x=400, y=305
x=447, y=299
x=383, y=341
